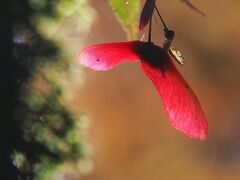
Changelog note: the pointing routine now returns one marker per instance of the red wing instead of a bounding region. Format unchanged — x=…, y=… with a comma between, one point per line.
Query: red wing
x=146, y=13
x=181, y=104
x=103, y=57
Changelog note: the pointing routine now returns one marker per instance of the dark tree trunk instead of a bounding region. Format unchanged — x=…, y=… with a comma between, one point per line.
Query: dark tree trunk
x=8, y=94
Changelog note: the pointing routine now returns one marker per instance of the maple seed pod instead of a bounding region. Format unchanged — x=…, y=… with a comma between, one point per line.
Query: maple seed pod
x=146, y=13
x=180, y=103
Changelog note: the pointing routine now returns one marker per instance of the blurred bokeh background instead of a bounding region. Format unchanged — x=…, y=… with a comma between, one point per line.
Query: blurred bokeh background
x=111, y=125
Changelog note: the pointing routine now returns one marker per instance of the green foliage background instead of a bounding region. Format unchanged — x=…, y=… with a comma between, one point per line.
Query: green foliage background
x=128, y=15
x=50, y=138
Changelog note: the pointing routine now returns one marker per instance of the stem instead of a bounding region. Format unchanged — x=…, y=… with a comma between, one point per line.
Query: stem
x=165, y=26
x=150, y=31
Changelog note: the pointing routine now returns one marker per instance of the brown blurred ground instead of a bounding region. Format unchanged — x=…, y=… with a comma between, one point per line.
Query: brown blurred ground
x=130, y=135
